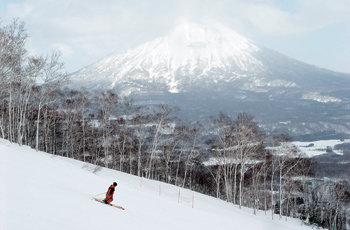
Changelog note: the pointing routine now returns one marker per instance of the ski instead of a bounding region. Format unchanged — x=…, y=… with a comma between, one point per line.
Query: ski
x=113, y=205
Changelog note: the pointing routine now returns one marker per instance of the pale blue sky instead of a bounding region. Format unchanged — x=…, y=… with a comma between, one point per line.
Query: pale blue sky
x=313, y=31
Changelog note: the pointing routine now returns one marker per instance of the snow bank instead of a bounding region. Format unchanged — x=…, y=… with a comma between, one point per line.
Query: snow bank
x=41, y=191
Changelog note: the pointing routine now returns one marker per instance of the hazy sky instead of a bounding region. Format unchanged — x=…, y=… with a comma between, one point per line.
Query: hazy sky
x=313, y=31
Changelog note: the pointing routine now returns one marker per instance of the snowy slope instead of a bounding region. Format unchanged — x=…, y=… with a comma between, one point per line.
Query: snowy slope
x=188, y=53
x=315, y=148
x=195, y=55
x=41, y=191
x=209, y=68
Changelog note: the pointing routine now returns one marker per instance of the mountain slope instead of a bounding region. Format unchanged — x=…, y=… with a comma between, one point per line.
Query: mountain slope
x=188, y=53
x=41, y=191
x=205, y=69
x=191, y=53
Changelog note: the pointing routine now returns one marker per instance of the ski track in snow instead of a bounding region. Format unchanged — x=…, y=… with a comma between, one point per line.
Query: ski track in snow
x=42, y=191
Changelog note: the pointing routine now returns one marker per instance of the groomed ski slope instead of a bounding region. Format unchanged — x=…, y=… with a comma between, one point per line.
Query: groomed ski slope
x=41, y=191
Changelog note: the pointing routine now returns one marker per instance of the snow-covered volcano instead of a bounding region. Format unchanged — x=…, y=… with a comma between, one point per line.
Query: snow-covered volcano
x=205, y=69
x=189, y=53
x=192, y=56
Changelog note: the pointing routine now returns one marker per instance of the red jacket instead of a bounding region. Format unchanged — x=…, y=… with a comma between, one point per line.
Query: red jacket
x=109, y=194
x=110, y=191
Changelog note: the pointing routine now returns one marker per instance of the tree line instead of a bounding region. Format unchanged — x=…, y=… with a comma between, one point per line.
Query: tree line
x=229, y=158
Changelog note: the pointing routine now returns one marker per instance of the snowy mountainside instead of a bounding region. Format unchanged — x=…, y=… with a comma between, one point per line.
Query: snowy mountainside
x=207, y=69
x=41, y=191
x=201, y=56
x=189, y=53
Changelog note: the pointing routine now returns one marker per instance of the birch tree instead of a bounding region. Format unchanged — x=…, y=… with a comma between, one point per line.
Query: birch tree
x=108, y=103
x=222, y=146
x=50, y=78
x=287, y=158
x=140, y=123
x=12, y=57
x=162, y=117
x=248, y=141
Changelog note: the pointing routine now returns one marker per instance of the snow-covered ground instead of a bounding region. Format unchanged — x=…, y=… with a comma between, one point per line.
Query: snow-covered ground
x=41, y=191
x=314, y=148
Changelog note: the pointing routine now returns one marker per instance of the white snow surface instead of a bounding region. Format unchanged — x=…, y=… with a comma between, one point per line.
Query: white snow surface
x=42, y=191
x=316, y=96
x=315, y=148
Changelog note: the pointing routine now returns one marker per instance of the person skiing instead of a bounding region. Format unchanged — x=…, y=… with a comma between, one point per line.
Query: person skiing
x=109, y=194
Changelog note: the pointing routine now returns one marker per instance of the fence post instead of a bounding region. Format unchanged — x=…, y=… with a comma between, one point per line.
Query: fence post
x=159, y=189
x=178, y=197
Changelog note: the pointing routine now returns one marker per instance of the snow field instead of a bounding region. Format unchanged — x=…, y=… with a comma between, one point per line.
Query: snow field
x=319, y=147
x=41, y=191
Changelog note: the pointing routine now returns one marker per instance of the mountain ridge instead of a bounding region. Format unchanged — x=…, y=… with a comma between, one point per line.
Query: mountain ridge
x=195, y=66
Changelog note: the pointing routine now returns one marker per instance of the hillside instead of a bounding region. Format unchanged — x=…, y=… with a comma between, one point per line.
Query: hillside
x=207, y=69
x=41, y=191
x=195, y=57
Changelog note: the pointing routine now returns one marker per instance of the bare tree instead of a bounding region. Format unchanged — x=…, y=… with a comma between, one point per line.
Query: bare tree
x=50, y=78
x=249, y=142
x=287, y=158
x=108, y=102
x=12, y=56
x=140, y=123
x=223, y=145
x=161, y=119
x=189, y=148
x=124, y=139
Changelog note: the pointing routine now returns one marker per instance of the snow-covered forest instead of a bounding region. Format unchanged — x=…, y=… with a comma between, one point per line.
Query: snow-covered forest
x=228, y=158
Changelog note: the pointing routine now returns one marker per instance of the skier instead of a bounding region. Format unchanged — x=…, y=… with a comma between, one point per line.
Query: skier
x=110, y=192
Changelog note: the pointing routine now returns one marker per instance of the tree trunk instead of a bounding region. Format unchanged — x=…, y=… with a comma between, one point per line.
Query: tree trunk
x=139, y=159
x=235, y=184
x=241, y=185
x=271, y=188
x=280, y=192
x=154, y=148
x=37, y=129
x=1, y=126
x=10, y=115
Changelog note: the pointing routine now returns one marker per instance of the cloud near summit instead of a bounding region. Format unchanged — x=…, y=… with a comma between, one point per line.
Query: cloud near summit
x=91, y=29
